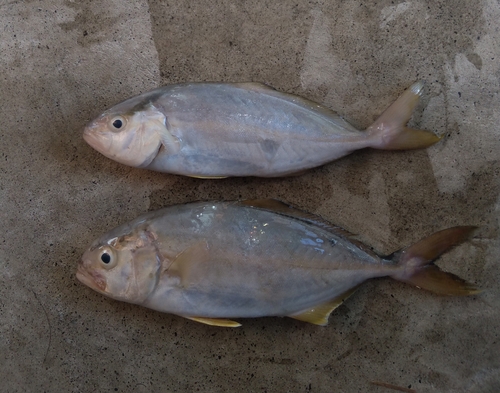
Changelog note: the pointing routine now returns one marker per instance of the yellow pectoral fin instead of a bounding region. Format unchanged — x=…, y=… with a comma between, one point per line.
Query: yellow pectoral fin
x=187, y=264
x=319, y=314
x=169, y=142
x=159, y=123
x=215, y=322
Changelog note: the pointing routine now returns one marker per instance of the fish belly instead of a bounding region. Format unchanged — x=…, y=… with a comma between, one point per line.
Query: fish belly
x=254, y=263
x=231, y=130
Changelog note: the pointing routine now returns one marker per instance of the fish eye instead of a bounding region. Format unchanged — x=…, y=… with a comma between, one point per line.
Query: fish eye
x=117, y=123
x=107, y=258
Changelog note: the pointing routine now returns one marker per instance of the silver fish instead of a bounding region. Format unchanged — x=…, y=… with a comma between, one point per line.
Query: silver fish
x=215, y=261
x=214, y=130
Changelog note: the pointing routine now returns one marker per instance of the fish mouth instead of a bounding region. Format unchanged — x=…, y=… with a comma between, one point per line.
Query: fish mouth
x=87, y=135
x=91, y=279
x=98, y=140
x=91, y=138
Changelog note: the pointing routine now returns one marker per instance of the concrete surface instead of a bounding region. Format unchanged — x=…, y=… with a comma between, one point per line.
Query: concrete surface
x=64, y=62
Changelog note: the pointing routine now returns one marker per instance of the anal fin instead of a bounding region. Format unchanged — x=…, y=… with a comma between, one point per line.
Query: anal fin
x=215, y=321
x=318, y=315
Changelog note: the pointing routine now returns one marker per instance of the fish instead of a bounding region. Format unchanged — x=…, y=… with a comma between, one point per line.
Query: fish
x=217, y=130
x=213, y=262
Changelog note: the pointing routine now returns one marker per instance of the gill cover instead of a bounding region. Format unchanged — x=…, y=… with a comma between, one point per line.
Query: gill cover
x=127, y=265
x=145, y=262
x=132, y=139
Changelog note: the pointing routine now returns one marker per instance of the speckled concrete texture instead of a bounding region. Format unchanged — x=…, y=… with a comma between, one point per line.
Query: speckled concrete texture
x=64, y=62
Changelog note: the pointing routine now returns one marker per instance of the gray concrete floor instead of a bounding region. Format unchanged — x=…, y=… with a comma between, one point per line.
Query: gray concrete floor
x=64, y=62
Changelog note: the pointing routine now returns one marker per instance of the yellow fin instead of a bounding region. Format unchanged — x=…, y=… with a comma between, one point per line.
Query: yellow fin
x=417, y=268
x=432, y=278
x=209, y=177
x=215, y=322
x=433, y=246
x=319, y=314
x=184, y=264
x=389, y=131
x=169, y=141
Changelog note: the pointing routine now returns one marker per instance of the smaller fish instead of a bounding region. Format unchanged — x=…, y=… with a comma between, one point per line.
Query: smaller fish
x=212, y=262
x=216, y=130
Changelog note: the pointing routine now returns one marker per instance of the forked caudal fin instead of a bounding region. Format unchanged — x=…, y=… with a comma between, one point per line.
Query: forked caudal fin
x=389, y=131
x=417, y=268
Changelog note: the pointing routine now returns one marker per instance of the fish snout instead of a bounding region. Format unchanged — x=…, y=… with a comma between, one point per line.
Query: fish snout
x=90, y=136
x=90, y=277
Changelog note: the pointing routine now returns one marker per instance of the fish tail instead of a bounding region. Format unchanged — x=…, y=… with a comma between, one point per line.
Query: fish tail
x=389, y=131
x=417, y=266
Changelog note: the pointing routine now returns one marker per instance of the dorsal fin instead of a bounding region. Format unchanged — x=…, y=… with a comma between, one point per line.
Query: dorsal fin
x=255, y=86
x=279, y=207
x=282, y=208
x=298, y=100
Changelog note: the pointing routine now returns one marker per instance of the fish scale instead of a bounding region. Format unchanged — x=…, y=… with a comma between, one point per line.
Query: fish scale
x=215, y=130
x=215, y=261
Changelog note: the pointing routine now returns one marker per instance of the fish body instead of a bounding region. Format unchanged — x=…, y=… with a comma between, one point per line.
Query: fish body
x=214, y=261
x=214, y=130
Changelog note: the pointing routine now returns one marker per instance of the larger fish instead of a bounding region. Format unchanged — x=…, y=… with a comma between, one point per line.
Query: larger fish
x=212, y=262
x=213, y=130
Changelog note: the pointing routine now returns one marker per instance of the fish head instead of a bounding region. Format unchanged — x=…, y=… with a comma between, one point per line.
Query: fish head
x=123, y=265
x=127, y=133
